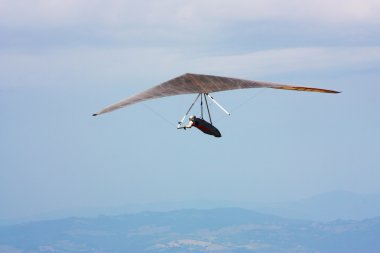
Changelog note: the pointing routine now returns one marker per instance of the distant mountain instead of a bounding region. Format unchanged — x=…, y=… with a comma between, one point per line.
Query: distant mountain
x=323, y=207
x=327, y=207
x=215, y=230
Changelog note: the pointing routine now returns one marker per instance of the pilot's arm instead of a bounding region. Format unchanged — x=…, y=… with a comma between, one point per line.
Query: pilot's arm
x=190, y=124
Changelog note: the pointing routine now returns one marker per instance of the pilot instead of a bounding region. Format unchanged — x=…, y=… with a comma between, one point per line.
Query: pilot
x=202, y=125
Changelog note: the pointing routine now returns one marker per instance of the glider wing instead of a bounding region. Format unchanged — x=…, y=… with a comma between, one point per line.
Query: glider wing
x=195, y=83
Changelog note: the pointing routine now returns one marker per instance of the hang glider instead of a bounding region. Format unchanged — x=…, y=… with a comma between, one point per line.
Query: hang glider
x=202, y=85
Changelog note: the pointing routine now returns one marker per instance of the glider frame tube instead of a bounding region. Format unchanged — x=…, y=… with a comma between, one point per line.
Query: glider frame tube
x=183, y=118
x=216, y=102
x=208, y=110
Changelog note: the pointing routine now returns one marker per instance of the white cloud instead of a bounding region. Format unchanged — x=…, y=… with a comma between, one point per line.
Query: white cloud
x=277, y=10
x=116, y=66
x=289, y=60
x=84, y=66
x=181, y=12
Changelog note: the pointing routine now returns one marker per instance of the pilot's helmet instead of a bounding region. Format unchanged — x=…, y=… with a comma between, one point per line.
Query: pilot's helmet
x=192, y=117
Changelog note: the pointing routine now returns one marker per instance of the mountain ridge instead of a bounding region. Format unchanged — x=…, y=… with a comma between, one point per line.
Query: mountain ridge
x=327, y=206
x=191, y=230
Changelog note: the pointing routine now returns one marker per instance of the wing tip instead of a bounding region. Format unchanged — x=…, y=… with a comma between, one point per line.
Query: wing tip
x=302, y=88
x=333, y=91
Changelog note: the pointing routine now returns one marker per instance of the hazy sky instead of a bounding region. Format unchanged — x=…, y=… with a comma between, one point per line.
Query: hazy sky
x=61, y=61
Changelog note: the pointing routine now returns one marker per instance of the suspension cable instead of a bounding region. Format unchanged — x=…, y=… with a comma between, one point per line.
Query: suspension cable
x=208, y=110
x=201, y=106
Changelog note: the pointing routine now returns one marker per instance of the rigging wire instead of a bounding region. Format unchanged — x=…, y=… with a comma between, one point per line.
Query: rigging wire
x=158, y=114
x=240, y=105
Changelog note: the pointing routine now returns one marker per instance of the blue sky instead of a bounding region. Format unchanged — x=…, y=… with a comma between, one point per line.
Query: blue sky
x=61, y=61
